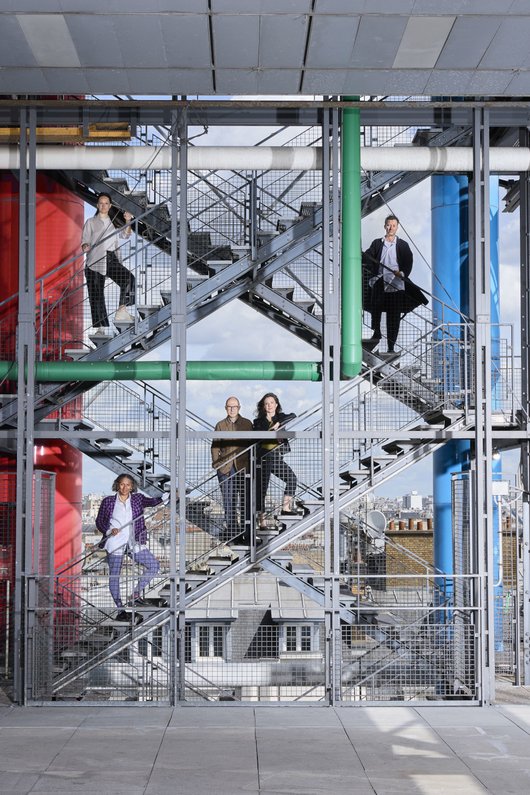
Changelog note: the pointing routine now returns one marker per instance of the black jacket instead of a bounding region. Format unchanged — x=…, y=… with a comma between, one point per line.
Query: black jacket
x=262, y=424
x=405, y=300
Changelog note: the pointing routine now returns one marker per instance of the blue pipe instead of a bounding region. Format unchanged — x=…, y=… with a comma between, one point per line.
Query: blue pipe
x=450, y=262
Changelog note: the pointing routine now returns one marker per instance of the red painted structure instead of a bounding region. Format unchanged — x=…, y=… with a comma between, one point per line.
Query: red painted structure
x=59, y=322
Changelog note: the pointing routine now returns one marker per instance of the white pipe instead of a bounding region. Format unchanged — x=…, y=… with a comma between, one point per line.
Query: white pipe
x=454, y=159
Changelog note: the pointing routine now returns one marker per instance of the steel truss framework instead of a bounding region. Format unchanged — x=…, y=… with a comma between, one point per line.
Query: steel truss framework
x=334, y=686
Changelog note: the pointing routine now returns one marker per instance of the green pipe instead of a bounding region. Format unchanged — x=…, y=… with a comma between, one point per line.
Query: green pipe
x=58, y=372
x=351, y=284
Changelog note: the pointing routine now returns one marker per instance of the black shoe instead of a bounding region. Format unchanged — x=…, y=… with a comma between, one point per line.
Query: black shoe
x=123, y=616
x=289, y=513
x=303, y=509
x=244, y=540
x=138, y=602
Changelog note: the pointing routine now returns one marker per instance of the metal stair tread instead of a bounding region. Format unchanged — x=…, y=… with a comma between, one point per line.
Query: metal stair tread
x=144, y=310
x=118, y=452
x=76, y=353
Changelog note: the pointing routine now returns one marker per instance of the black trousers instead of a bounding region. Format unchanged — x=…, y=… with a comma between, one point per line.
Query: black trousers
x=389, y=303
x=273, y=463
x=95, y=283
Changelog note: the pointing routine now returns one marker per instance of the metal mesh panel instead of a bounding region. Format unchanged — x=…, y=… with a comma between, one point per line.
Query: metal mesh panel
x=267, y=650
x=404, y=662
x=7, y=567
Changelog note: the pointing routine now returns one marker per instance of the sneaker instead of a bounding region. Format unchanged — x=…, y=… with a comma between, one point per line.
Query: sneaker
x=102, y=331
x=123, y=616
x=123, y=316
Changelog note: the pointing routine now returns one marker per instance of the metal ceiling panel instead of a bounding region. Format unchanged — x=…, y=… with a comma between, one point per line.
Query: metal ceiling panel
x=354, y=46
x=237, y=81
x=509, y=48
x=422, y=42
x=261, y=6
x=282, y=40
x=331, y=41
x=366, y=6
x=49, y=39
x=30, y=6
x=519, y=84
x=377, y=42
x=125, y=6
x=186, y=40
x=236, y=41
x=115, y=80
x=467, y=42
x=22, y=81
x=489, y=83
x=140, y=40
x=375, y=81
x=85, y=30
x=352, y=7
x=467, y=7
x=73, y=81
x=270, y=79
x=15, y=48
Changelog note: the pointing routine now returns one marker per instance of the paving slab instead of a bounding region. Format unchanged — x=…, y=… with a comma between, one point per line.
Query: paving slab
x=231, y=750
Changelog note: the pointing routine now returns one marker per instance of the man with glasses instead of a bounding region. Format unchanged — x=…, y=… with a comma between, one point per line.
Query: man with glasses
x=231, y=459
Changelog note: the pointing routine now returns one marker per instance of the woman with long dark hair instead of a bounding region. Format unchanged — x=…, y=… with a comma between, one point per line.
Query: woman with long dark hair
x=100, y=243
x=270, y=417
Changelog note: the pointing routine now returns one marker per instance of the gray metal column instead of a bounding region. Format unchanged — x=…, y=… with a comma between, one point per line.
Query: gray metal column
x=26, y=380
x=179, y=341
x=330, y=399
x=482, y=528
x=524, y=416
x=179, y=247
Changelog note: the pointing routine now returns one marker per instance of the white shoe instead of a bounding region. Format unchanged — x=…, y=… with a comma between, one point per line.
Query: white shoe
x=123, y=316
x=102, y=331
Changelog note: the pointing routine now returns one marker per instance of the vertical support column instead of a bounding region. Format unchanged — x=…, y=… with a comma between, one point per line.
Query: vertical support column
x=26, y=380
x=450, y=258
x=483, y=529
x=180, y=327
x=524, y=416
x=351, y=284
x=331, y=356
x=179, y=261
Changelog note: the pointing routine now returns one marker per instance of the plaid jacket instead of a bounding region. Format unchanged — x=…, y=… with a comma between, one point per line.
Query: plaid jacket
x=138, y=503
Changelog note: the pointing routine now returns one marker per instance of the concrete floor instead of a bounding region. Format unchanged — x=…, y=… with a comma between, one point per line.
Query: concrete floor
x=270, y=750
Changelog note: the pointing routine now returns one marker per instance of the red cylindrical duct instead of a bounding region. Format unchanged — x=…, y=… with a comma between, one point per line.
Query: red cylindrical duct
x=59, y=222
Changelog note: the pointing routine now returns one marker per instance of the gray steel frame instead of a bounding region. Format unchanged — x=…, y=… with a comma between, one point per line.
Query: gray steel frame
x=524, y=190
x=179, y=115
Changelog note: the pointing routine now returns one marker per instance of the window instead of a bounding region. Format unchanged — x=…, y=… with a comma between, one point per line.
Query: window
x=151, y=645
x=298, y=637
x=211, y=640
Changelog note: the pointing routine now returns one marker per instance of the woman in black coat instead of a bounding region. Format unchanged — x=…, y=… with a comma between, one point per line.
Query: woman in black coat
x=386, y=284
x=270, y=417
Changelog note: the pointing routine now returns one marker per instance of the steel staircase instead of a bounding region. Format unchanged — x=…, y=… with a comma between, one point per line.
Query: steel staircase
x=240, y=561
x=217, y=275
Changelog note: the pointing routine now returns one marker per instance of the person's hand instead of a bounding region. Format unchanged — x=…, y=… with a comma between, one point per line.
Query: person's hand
x=85, y=248
x=275, y=427
x=114, y=531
